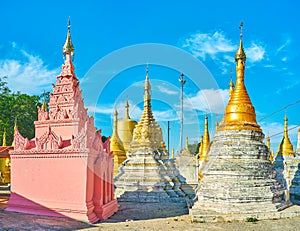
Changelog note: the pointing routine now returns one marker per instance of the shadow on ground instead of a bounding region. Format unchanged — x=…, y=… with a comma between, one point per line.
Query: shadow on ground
x=145, y=211
x=20, y=221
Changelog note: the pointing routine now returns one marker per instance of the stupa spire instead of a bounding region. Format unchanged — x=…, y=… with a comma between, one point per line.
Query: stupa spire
x=205, y=142
x=285, y=148
x=147, y=132
x=147, y=116
x=44, y=105
x=187, y=143
x=68, y=47
x=127, y=110
x=269, y=143
x=239, y=113
x=68, y=52
x=271, y=158
x=4, y=139
x=115, y=143
x=15, y=130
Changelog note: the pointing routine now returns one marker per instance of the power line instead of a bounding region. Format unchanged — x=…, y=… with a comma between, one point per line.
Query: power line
x=283, y=131
x=279, y=110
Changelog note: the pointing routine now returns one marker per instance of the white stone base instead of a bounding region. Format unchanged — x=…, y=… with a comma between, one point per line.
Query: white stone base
x=239, y=181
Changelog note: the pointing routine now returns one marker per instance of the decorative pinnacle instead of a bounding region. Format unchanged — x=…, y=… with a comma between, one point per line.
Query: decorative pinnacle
x=16, y=124
x=147, y=83
x=68, y=47
x=241, y=29
x=240, y=54
x=187, y=143
x=285, y=129
x=127, y=109
x=115, y=115
x=4, y=138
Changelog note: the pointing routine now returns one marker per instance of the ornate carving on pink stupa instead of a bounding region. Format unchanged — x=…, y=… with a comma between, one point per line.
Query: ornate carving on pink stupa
x=65, y=170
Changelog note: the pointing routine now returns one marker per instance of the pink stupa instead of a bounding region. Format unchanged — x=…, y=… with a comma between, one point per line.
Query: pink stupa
x=65, y=170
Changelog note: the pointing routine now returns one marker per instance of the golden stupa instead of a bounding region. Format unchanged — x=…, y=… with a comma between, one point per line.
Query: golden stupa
x=125, y=128
x=285, y=147
x=4, y=139
x=205, y=143
x=271, y=158
x=239, y=113
x=147, y=132
x=116, y=146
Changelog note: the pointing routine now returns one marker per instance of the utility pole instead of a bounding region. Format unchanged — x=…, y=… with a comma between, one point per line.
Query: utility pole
x=182, y=82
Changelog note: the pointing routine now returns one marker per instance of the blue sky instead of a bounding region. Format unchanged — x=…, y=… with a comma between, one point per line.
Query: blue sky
x=33, y=33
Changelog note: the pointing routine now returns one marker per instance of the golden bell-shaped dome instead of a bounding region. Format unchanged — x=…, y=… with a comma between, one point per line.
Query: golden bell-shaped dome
x=285, y=147
x=125, y=128
x=239, y=113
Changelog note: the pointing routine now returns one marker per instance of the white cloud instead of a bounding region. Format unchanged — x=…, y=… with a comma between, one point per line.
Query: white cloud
x=134, y=111
x=269, y=66
x=202, y=45
x=284, y=59
x=220, y=49
x=168, y=115
x=106, y=110
x=28, y=74
x=166, y=90
x=255, y=52
x=284, y=45
x=209, y=101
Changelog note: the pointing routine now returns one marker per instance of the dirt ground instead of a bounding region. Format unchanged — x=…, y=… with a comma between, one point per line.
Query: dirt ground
x=144, y=220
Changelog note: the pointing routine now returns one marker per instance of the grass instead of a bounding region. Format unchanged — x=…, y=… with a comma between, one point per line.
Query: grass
x=251, y=219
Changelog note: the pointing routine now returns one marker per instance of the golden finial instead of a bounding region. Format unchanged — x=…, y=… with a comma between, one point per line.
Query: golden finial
x=147, y=112
x=240, y=54
x=16, y=124
x=15, y=130
x=147, y=86
x=206, y=142
x=269, y=143
x=239, y=113
x=44, y=105
x=68, y=47
x=173, y=153
x=127, y=109
x=217, y=124
x=4, y=138
x=200, y=146
x=187, y=143
x=271, y=158
x=285, y=148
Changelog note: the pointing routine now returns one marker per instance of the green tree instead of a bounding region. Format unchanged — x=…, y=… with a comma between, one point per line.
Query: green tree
x=20, y=106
